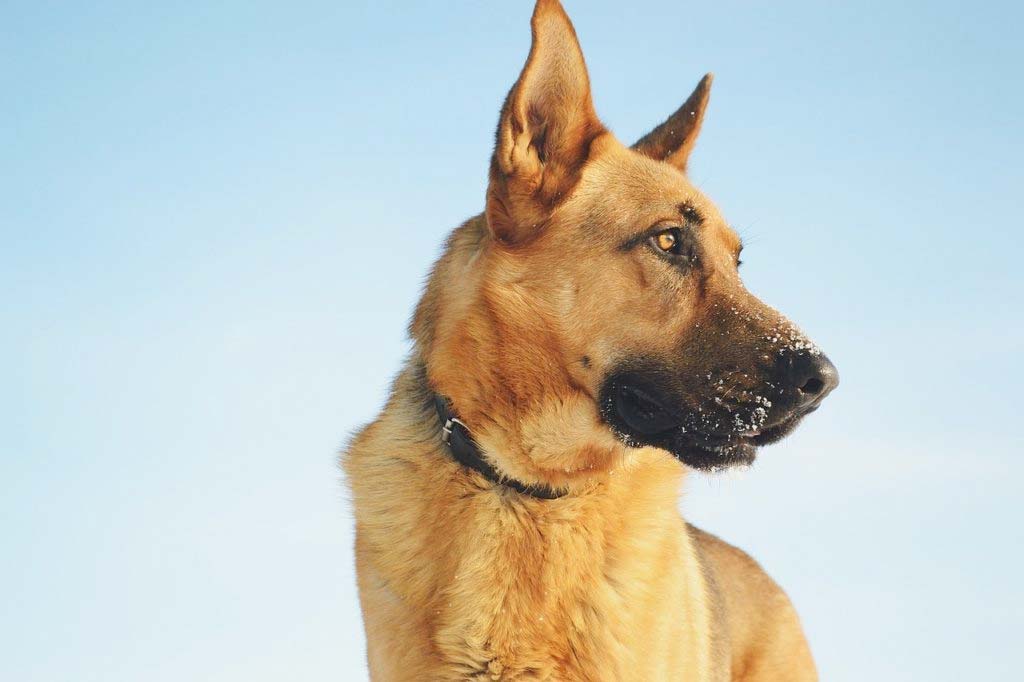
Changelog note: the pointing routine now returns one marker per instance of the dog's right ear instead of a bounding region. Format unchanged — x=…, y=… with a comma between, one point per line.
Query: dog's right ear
x=544, y=134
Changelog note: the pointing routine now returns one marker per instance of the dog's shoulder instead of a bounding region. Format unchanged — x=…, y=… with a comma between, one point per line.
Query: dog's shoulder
x=760, y=627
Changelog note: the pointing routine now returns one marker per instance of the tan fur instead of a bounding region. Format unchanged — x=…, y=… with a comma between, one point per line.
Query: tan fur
x=530, y=304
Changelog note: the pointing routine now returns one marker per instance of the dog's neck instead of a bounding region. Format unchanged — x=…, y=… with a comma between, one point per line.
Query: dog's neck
x=495, y=579
x=460, y=444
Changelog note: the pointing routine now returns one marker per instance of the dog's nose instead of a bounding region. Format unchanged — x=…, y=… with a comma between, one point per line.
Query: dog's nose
x=810, y=374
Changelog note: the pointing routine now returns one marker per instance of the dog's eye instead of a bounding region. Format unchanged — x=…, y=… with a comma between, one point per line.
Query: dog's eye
x=669, y=241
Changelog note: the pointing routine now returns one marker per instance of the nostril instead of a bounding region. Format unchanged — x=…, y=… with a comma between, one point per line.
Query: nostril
x=812, y=386
x=808, y=376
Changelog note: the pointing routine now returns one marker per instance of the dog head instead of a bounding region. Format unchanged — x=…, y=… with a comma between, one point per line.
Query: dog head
x=598, y=298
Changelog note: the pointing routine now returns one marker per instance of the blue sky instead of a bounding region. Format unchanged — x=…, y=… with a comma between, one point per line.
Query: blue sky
x=216, y=219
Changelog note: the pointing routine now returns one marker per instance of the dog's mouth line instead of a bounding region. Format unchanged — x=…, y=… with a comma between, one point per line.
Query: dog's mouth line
x=694, y=438
x=715, y=443
x=645, y=405
x=641, y=417
x=773, y=433
x=759, y=436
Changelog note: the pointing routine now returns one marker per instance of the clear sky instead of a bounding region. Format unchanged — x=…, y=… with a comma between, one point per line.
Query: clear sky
x=216, y=218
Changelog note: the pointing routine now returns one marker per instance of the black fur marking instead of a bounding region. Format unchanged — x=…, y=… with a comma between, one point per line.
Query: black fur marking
x=690, y=214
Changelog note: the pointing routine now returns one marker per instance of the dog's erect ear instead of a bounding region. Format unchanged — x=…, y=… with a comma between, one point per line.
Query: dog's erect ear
x=673, y=140
x=544, y=134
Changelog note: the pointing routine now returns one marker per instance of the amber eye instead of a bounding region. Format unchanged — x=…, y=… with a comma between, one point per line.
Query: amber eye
x=668, y=240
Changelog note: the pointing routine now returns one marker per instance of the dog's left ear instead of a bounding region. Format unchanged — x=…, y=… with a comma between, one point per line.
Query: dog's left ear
x=544, y=134
x=674, y=139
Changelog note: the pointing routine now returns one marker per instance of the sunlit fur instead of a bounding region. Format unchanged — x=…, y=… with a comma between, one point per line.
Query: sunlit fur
x=531, y=305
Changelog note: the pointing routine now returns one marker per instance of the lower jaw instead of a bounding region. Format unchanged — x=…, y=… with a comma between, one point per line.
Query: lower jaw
x=701, y=454
x=712, y=453
x=777, y=432
x=716, y=458
x=739, y=451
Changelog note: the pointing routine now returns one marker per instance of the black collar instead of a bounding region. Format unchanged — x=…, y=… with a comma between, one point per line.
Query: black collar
x=465, y=451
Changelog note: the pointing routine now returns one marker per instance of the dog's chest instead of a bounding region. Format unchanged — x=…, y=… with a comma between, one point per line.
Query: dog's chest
x=560, y=597
x=526, y=616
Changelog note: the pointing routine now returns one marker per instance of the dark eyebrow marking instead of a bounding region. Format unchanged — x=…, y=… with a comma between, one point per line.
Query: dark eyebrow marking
x=690, y=213
x=691, y=218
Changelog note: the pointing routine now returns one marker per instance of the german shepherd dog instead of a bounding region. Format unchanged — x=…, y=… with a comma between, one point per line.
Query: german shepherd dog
x=580, y=345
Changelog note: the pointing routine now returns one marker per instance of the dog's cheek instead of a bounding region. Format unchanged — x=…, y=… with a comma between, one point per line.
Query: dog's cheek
x=567, y=437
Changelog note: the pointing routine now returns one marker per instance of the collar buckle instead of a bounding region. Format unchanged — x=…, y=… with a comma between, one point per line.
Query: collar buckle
x=446, y=430
x=465, y=451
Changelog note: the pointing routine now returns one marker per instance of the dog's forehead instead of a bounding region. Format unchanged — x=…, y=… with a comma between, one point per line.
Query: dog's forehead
x=622, y=190
x=620, y=177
